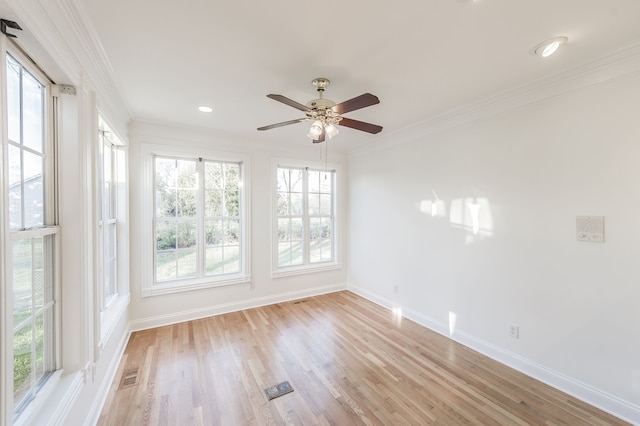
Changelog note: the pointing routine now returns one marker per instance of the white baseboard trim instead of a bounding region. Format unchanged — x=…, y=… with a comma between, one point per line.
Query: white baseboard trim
x=107, y=380
x=174, y=318
x=620, y=408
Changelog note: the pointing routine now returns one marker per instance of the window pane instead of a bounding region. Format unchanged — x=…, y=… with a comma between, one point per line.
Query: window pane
x=165, y=235
x=13, y=99
x=314, y=181
x=284, y=229
x=22, y=280
x=213, y=261
x=296, y=229
x=315, y=228
x=232, y=189
x=38, y=273
x=314, y=204
x=33, y=190
x=296, y=182
x=166, y=266
x=231, y=259
x=284, y=253
x=214, y=232
x=165, y=172
x=283, y=204
x=315, y=251
x=187, y=264
x=33, y=112
x=297, y=253
x=213, y=175
x=321, y=251
x=186, y=203
x=296, y=204
x=107, y=210
x=325, y=205
x=186, y=174
x=22, y=363
x=110, y=261
x=232, y=235
x=15, y=188
x=213, y=202
x=39, y=347
x=282, y=180
x=166, y=202
x=326, y=182
x=186, y=234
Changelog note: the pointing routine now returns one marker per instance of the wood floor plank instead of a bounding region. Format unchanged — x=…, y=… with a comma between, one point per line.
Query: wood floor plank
x=349, y=361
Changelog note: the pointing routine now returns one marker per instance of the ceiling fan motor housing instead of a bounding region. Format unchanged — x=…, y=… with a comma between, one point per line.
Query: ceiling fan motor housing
x=320, y=104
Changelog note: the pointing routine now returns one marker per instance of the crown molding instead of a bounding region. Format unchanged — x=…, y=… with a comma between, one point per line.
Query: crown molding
x=63, y=29
x=619, y=64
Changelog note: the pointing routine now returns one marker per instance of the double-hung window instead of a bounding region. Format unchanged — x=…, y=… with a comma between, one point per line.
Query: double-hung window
x=112, y=293
x=306, y=227
x=31, y=256
x=200, y=222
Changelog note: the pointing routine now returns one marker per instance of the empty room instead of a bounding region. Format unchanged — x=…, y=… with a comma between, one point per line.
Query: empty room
x=266, y=213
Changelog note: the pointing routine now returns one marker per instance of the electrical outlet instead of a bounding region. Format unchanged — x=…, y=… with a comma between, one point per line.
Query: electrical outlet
x=395, y=288
x=513, y=330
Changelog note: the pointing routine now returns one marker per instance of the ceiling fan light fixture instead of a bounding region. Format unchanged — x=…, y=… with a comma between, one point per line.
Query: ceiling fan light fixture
x=316, y=130
x=548, y=47
x=331, y=130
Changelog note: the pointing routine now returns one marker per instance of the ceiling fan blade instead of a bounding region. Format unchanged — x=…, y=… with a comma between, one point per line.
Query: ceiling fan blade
x=358, y=102
x=360, y=125
x=289, y=102
x=284, y=123
x=320, y=138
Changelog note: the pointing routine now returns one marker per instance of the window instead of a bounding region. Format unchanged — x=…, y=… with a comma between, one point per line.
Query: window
x=112, y=286
x=32, y=260
x=107, y=166
x=199, y=221
x=305, y=219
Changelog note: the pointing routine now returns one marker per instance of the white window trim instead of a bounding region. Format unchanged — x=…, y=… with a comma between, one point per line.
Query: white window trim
x=288, y=271
x=148, y=286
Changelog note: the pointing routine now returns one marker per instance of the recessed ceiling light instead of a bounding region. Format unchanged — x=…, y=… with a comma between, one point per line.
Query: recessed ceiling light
x=204, y=108
x=549, y=47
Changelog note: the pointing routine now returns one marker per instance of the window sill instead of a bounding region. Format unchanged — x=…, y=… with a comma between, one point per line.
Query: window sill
x=299, y=270
x=54, y=400
x=172, y=287
x=109, y=318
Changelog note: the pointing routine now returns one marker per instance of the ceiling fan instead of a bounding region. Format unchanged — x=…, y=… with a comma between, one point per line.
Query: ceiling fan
x=326, y=114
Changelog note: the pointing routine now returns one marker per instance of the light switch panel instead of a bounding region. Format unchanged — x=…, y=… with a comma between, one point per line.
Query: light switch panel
x=590, y=228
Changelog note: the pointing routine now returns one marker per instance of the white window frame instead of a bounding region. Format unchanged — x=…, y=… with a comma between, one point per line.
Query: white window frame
x=307, y=267
x=7, y=237
x=110, y=309
x=149, y=286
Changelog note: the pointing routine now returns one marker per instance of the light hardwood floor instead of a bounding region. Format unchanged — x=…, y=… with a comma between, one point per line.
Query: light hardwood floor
x=349, y=361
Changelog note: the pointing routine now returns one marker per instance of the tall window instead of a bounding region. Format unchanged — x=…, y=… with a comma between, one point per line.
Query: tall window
x=111, y=165
x=32, y=259
x=199, y=222
x=306, y=206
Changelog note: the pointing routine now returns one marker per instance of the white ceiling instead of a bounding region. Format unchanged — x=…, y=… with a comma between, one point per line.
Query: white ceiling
x=422, y=58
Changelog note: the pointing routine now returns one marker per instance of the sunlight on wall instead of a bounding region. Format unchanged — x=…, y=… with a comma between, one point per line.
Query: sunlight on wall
x=471, y=214
x=435, y=207
x=452, y=322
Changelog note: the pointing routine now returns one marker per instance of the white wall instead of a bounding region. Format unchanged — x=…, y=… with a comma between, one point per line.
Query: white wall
x=532, y=170
x=152, y=311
